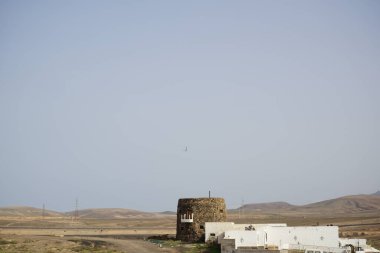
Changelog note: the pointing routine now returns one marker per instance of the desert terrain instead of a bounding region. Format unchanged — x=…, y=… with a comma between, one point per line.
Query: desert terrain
x=25, y=229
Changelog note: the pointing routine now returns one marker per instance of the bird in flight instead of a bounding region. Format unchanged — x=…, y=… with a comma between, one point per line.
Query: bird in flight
x=186, y=149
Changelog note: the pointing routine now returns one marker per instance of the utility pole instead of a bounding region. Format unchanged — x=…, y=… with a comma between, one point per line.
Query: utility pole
x=43, y=211
x=76, y=209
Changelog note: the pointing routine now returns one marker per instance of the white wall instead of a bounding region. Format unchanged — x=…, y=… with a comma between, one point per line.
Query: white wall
x=218, y=228
x=245, y=238
x=326, y=236
x=321, y=238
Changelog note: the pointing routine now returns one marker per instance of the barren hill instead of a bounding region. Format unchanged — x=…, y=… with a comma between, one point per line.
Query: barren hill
x=96, y=213
x=346, y=204
x=112, y=213
x=268, y=206
x=26, y=211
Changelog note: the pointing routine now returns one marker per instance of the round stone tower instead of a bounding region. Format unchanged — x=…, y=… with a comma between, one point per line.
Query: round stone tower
x=193, y=213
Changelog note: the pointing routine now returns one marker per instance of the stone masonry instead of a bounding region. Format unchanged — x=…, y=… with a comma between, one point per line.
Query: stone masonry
x=192, y=214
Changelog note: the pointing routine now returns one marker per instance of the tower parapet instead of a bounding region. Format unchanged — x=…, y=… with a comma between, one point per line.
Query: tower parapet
x=187, y=218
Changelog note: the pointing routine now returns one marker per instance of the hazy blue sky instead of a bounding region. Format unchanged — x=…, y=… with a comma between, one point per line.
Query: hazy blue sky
x=275, y=100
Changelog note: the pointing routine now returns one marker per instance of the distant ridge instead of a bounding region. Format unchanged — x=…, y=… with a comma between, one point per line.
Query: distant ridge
x=268, y=206
x=113, y=213
x=343, y=205
x=346, y=204
x=27, y=211
x=95, y=213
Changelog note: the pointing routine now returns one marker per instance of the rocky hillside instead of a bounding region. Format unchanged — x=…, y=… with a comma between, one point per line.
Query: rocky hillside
x=268, y=206
x=346, y=204
x=112, y=213
x=26, y=211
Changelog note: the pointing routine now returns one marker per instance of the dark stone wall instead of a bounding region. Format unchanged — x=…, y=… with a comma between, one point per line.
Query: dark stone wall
x=204, y=210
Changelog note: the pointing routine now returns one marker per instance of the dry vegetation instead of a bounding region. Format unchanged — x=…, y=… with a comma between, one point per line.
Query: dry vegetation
x=127, y=235
x=45, y=244
x=124, y=230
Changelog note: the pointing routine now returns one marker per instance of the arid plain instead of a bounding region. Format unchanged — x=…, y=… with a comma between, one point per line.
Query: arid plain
x=26, y=229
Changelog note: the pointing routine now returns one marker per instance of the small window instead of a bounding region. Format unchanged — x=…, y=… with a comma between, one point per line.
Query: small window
x=182, y=228
x=221, y=211
x=212, y=234
x=310, y=251
x=202, y=227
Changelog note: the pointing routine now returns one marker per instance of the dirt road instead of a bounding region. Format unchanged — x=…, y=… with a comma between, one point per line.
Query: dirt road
x=72, y=244
x=136, y=245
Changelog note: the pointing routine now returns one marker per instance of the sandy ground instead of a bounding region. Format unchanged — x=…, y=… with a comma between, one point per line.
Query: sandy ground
x=135, y=245
x=140, y=232
x=127, y=235
x=71, y=244
x=57, y=234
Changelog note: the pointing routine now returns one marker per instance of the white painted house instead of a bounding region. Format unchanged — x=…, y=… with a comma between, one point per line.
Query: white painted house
x=215, y=230
x=246, y=238
x=301, y=237
x=235, y=238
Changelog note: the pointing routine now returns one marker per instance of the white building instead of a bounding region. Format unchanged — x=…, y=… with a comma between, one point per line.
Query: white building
x=236, y=238
x=302, y=237
x=215, y=230
x=255, y=239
